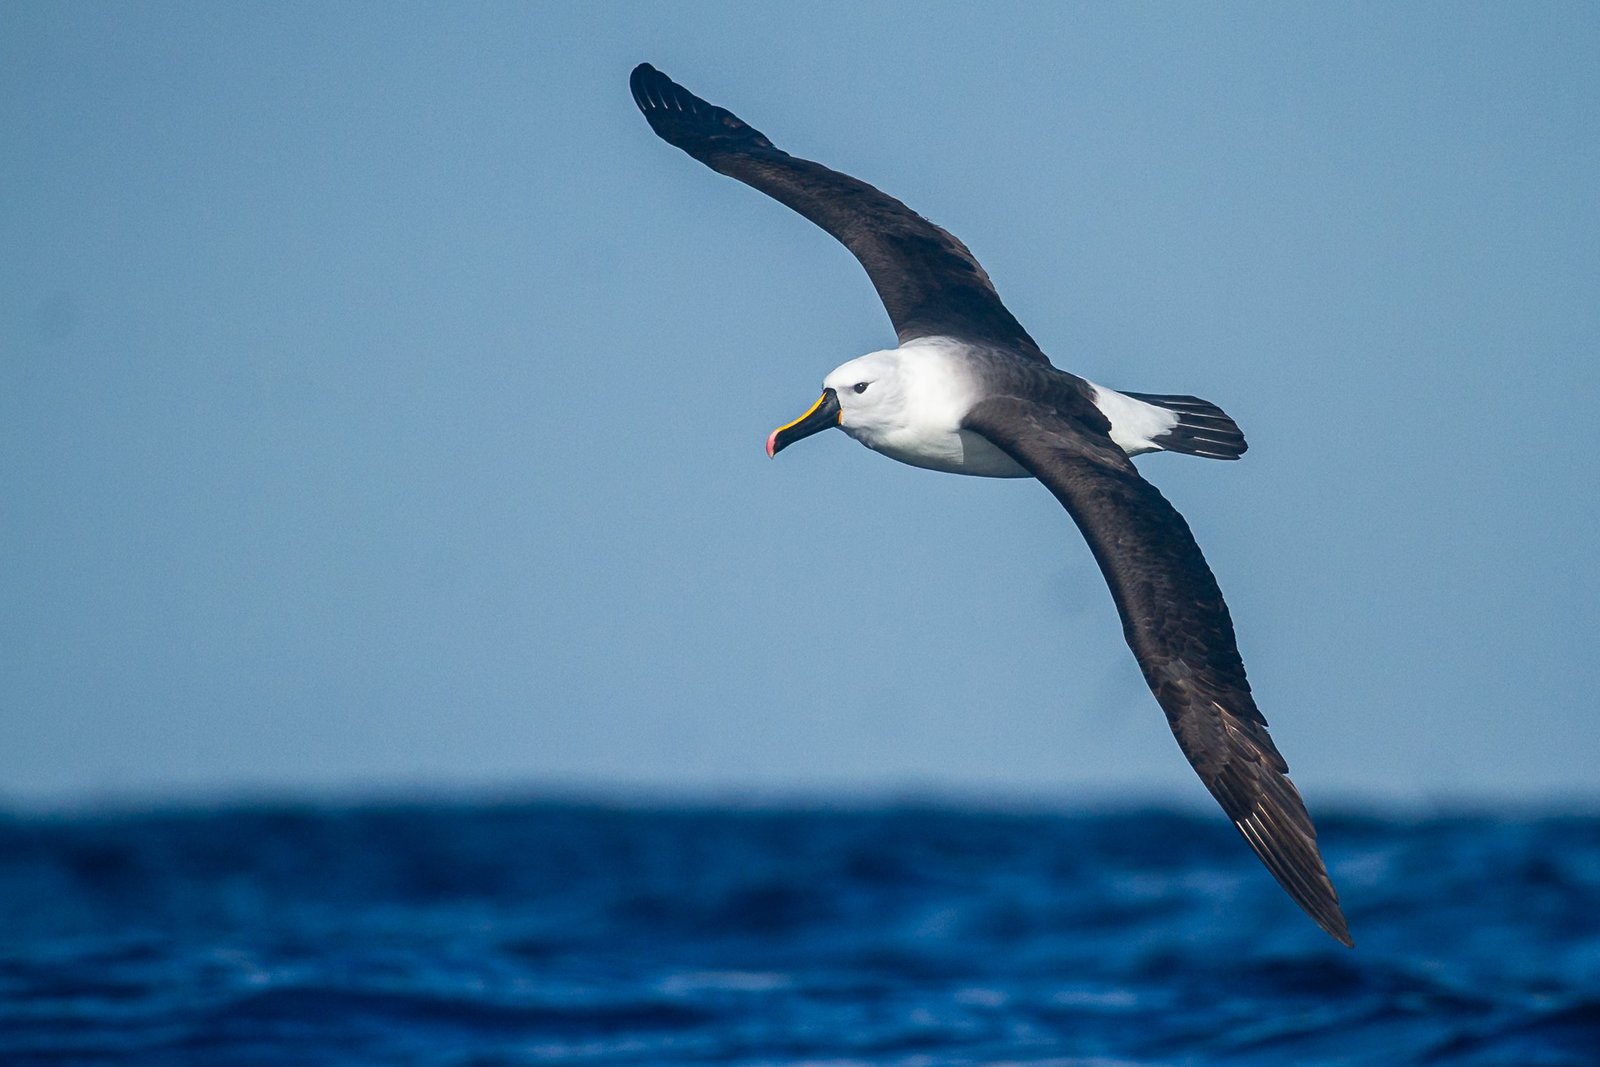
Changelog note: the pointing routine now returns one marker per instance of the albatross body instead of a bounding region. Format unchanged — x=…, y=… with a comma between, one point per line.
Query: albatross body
x=967, y=391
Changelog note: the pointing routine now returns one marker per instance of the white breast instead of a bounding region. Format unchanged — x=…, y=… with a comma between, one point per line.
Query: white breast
x=926, y=388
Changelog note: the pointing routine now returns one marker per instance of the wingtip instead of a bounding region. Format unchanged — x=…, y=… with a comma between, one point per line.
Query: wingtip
x=1334, y=926
x=642, y=75
x=1326, y=913
x=1334, y=922
x=656, y=93
x=1331, y=919
x=681, y=118
x=639, y=83
x=1283, y=838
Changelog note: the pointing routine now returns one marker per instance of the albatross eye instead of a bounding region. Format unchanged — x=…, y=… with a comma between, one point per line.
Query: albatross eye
x=860, y=387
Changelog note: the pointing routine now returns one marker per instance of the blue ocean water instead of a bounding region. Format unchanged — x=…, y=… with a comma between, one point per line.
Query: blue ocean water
x=545, y=933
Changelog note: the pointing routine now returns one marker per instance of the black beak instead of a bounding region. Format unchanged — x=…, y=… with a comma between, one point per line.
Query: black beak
x=823, y=414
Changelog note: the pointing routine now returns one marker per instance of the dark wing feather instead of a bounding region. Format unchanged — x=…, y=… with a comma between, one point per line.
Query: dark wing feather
x=928, y=281
x=1178, y=626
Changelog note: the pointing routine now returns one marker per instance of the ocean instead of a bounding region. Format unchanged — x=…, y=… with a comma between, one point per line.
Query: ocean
x=479, y=935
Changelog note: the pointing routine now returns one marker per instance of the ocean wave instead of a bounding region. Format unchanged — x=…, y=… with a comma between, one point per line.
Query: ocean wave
x=546, y=933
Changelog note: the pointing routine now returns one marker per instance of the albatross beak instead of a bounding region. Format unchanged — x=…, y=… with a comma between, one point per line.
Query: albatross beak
x=823, y=414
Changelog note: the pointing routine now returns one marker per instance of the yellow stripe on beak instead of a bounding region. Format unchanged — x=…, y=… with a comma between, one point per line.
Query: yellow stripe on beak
x=812, y=410
x=818, y=417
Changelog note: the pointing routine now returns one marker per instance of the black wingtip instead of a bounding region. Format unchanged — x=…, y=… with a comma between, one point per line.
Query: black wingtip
x=1328, y=915
x=1282, y=836
x=641, y=81
x=683, y=119
x=1334, y=926
x=655, y=93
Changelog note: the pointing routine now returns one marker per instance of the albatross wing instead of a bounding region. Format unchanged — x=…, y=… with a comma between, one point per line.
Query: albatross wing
x=1178, y=626
x=928, y=281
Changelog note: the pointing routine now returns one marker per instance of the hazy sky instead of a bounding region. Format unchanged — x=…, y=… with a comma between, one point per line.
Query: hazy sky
x=382, y=404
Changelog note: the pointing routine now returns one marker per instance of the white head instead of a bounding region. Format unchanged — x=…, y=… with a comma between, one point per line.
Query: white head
x=871, y=393
x=865, y=397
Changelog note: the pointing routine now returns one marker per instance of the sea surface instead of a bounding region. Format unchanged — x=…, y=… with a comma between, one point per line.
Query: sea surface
x=546, y=933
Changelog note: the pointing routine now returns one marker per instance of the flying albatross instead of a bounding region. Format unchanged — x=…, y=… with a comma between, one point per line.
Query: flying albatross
x=969, y=392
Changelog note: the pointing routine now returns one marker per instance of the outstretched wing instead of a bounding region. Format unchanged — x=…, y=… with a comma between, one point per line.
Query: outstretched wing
x=928, y=281
x=1177, y=624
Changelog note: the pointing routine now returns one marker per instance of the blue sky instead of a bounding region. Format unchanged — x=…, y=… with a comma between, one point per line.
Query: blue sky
x=382, y=405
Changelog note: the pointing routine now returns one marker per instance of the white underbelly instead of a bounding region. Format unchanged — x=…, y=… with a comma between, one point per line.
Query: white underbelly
x=961, y=452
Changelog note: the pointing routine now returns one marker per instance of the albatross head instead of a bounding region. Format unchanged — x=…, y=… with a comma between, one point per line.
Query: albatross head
x=863, y=397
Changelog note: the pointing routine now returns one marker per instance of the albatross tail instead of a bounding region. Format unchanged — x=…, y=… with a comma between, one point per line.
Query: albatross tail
x=1201, y=429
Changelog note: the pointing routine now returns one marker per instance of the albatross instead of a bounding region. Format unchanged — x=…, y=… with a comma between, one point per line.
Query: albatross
x=968, y=391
